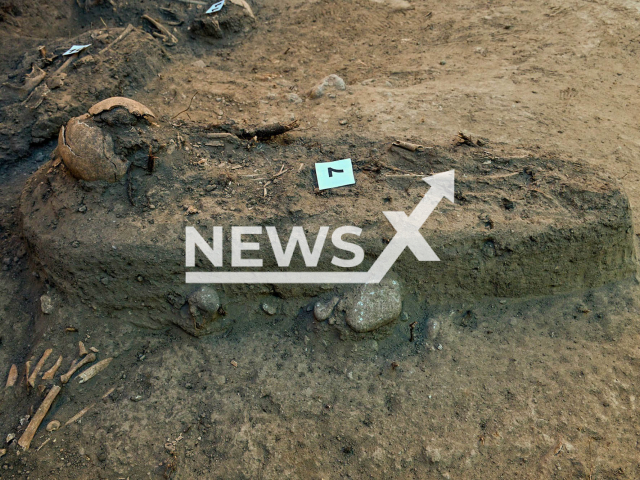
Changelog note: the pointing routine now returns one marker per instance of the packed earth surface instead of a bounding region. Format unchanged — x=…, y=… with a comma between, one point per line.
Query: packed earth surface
x=517, y=355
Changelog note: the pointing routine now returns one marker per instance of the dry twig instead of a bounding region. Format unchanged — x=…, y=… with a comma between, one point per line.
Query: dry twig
x=186, y=109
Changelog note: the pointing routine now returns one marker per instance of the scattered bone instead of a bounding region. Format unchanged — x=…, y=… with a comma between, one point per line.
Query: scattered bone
x=13, y=376
x=94, y=350
x=43, y=444
x=35, y=98
x=71, y=329
x=267, y=131
x=79, y=415
x=88, y=359
x=412, y=147
x=48, y=375
x=111, y=390
x=43, y=51
x=82, y=349
x=133, y=107
x=63, y=68
x=33, y=79
x=126, y=32
x=170, y=39
x=245, y=5
x=27, y=436
x=53, y=425
x=32, y=378
x=88, y=151
x=3, y=452
x=93, y=370
x=27, y=369
x=224, y=136
x=10, y=437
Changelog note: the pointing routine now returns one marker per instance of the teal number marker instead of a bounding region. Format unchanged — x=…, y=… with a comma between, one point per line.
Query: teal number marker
x=335, y=174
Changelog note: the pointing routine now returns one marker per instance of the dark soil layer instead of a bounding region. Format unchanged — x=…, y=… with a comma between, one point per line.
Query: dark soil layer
x=520, y=227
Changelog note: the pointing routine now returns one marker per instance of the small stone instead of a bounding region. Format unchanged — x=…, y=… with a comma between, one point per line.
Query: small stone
x=323, y=310
x=210, y=188
x=294, y=98
x=46, y=304
x=203, y=309
x=343, y=122
x=53, y=425
x=433, y=328
x=136, y=398
x=82, y=208
x=371, y=306
x=442, y=62
x=199, y=64
x=329, y=81
x=269, y=309
x=204, y=300
x=439, y=347
x=219, y=379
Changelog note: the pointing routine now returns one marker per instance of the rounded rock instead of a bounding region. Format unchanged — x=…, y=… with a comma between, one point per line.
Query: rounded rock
x=204, y=305
x=46, y=304
x=269, y=309
x=323, y=310
x=433, y=328
x=372, y=306
x=332, y=80
x=205, y=300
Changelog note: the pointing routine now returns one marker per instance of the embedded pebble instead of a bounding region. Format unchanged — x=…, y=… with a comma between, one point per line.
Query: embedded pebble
x=294, y=98
x=269, y=309
x=204, y=305
x=204, y=300
x=329, y=81
x=433, y=328
x=323, y=310
x=46, y=304
x=371, y=306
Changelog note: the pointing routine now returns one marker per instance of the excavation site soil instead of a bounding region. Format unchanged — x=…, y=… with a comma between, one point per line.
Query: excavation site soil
x=139, y=340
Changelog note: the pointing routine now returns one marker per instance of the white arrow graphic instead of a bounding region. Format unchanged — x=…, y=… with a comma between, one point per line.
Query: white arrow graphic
x=407, y=235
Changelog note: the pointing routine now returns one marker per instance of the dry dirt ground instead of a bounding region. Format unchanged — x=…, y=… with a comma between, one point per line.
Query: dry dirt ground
x=510, y=388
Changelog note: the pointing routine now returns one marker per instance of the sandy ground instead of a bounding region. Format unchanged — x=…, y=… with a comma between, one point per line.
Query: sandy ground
x=529, y=388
